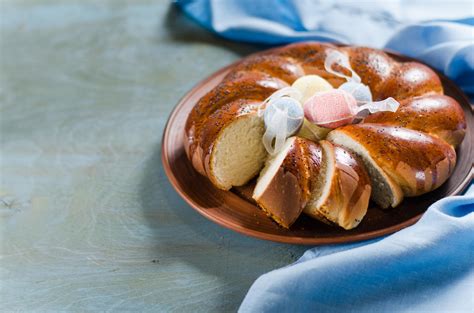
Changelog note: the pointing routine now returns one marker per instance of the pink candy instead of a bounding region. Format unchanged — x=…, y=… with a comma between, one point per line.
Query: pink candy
x=331, y=109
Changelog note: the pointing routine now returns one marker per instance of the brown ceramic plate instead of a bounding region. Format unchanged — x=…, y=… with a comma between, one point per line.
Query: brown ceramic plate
x=233, y=210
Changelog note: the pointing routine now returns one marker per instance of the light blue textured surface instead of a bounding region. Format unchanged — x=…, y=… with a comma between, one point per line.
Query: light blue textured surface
x=88, y=219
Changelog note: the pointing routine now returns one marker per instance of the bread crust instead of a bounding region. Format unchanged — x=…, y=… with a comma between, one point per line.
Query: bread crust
x=285, y=68
x=347, y=201
x=373, y=66
x=250, y=85
x=438, y=115
x=311, y=56
x=290, y=188
x=418, y=162
x=408, y=80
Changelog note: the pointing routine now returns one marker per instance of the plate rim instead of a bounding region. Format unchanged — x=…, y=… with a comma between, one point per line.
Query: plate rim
x=464, y=183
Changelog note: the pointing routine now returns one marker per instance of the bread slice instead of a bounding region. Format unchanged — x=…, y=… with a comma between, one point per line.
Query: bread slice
x=326, y=181
x=219, y=107
x=438, y=115
x=344, y=189
x=414, y=162
x=385, y=191
x=233, y=152
x=238, y=154
x=286, y=183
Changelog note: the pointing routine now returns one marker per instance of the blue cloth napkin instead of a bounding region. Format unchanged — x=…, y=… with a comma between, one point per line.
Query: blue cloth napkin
x=428, y=267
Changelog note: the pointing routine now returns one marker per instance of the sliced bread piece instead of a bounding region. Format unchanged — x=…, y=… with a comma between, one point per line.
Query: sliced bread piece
x=286, y=183
x=345, y=189
x=401, y=162
x=242, y=87
x=385, y=191
x=232, y=152
x=327, y=182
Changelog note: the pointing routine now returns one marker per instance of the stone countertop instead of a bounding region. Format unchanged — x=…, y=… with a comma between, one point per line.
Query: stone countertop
x=89, y=220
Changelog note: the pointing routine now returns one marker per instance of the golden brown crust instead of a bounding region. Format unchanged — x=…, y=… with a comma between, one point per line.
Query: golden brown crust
x=418, y=162
x=250, y=85
x=311, y=56
x=438, y=115
x=290, y=189
x=409, y=80
x=349, y=191
x=373, y=66
x=285, y=68
x=283, y=200
x=354, y=188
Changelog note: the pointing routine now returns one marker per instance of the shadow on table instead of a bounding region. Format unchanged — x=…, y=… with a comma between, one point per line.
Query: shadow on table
x=181, y=233
x=181, y=28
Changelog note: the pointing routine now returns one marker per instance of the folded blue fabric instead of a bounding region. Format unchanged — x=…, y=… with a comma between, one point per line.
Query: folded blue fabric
x=447, y=45
x=428, y=267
